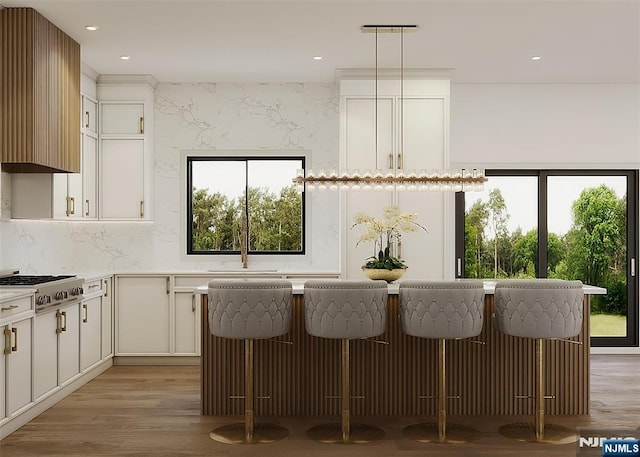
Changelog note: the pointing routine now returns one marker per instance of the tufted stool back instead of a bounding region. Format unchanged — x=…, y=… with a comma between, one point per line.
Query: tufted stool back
x=249, y=308
x=442, y=309
x=345, y=309
x=539, y=308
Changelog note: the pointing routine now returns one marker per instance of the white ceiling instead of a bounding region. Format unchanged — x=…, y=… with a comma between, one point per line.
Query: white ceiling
x=580, y=41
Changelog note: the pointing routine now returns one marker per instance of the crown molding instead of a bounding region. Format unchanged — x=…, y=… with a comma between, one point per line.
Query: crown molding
x=89, y=72
x=393, y=73
x=114, y=80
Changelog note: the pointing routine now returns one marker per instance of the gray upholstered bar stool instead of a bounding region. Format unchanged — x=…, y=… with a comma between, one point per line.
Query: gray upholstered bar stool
x=249, y=309
x=442, y=310
x=345, y=310
x=541, y=309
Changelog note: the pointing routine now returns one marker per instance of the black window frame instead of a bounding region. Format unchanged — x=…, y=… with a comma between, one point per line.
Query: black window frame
x=631, y=339
x=246, y=160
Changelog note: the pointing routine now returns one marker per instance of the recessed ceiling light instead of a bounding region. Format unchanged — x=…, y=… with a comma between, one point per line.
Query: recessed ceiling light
x=536, y=58
x=317, y=57
x=93, y=28
x=125, y=57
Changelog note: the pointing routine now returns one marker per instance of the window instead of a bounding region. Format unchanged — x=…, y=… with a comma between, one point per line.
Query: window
x=217, y=202
x=568, y=224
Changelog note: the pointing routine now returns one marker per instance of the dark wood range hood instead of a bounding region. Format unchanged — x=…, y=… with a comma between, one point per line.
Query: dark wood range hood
x=39, y=95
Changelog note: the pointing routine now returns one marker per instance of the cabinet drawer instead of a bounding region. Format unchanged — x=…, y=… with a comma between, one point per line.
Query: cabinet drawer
x=93, y=287
x=14, y=307
x=191, y=281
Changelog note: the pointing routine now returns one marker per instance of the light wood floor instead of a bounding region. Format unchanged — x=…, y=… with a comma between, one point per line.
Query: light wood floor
x=155, y=411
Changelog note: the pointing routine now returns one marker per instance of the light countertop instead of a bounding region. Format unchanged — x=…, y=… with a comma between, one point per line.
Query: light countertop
x=489, y=288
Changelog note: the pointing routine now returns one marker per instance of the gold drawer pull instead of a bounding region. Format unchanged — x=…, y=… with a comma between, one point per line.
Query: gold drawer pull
x=14, y=348
x=9, y=308
x=86, y=313
x=141, y=124
x=7, y=341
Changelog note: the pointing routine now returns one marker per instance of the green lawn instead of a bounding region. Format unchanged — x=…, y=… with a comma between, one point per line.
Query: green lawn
x=608, y=325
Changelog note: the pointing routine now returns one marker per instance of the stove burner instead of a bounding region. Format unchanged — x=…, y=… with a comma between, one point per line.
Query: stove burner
x=29, y=280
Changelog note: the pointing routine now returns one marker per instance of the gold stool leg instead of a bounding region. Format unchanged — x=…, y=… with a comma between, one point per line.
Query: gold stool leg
x=440, y=432
x=539, y=432
x=345, y=432
x=248, y=432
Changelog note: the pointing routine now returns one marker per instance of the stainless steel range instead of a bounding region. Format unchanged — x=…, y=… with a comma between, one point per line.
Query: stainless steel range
x=51, y=291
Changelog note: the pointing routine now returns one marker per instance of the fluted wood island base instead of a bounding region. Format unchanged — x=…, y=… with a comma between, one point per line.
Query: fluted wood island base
x=487, y=378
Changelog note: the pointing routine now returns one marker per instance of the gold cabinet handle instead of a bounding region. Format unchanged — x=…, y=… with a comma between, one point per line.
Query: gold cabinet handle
x=71, y=206
x=390, y=160
x=93, y=286
x=86, y=124
x=64, y=327
x=86, y=313
x=106, y=288
x=58, y=322
x=193, y=303
x=167, y=288
x=7, y=341
x=141, y=124
x=400, y=165
x=141, y=208
x=9, y=308
x=14, y=348
x=87, y=213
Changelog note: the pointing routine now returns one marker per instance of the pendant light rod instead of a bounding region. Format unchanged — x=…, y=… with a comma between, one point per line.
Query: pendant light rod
x=372, y=28
x=397, y=178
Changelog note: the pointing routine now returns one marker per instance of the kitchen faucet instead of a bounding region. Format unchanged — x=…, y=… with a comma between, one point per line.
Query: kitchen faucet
x=244, y=239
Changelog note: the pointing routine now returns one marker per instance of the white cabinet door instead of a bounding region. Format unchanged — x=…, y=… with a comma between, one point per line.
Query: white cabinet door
x=69, y=344
x=361, y=133
x=122, y=179
x=45, y=353
x=122, y=118
x=90, y=332
x=18, y=366
x=187, y=326
x=3, y=363
x=143, y=318
x=74, y=194
x=89, y=114
x=107, y=321
x=90, y=176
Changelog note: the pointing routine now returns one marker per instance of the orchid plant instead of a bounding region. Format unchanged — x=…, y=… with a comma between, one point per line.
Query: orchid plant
x=383, y=233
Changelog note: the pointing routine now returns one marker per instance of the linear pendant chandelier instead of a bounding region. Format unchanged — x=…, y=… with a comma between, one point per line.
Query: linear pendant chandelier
x=420, y=180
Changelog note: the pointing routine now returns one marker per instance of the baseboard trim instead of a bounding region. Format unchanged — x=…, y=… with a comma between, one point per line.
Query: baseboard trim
x=56, y=396
x=156, y=360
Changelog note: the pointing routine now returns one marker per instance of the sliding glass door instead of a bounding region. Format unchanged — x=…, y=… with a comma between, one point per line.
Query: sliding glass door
x=569, y=224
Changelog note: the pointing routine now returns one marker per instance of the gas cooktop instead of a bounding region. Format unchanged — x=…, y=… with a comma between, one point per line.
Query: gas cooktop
x=30, y=280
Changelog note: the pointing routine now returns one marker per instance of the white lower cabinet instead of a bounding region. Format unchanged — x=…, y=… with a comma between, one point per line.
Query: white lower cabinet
x=45, y=356
x=69, y=343
x=56, y=348
x=152, y=318
x=187, y=320
x=3, y=345
x=90, y=332
x=17, y=370
x=143, y=315
x=107, y=319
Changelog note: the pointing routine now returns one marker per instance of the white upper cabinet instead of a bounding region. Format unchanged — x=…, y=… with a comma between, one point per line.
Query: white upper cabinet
x=89, y=114
x=125, y=165
x=409, y=130
x=122, y=118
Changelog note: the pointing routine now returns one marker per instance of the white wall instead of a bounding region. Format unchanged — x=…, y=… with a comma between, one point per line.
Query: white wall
x=546, y=125
x=568, y=125
x=207, y=116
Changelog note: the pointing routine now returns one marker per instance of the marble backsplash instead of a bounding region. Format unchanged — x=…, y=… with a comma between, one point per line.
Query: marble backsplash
x=214, y=117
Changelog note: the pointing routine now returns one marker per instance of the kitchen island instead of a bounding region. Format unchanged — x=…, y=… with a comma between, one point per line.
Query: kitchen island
x=398, y=378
